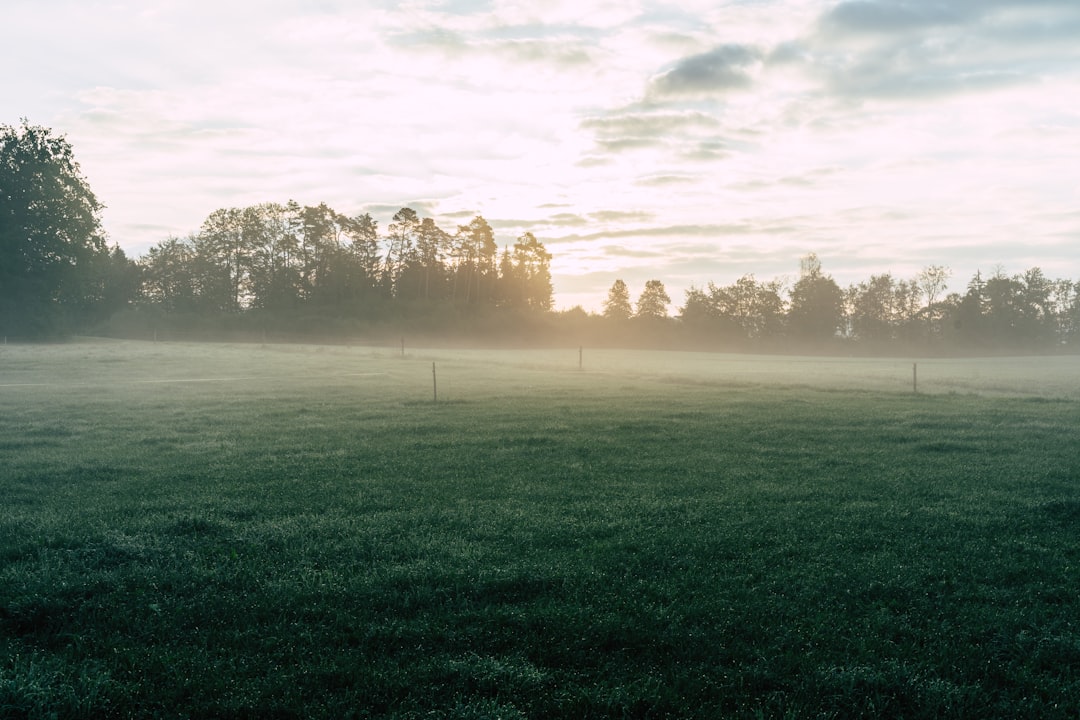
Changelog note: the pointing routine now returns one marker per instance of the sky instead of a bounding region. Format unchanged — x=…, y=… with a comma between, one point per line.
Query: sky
x=688, y=142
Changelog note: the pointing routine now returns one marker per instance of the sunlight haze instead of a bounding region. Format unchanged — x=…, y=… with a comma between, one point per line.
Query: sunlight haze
x=689, y=142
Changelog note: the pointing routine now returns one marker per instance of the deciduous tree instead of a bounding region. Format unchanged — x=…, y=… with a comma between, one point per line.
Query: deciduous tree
x=653, y=301
x=817, y=303
x=50, y=231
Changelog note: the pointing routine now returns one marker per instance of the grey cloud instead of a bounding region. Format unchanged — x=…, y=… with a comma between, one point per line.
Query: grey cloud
x=1054, y=29
x=808, y=179
x=677, y=41
x=459, y=215
x=648, y=124
x=463, y=7
x=869, y=16
x=662, y=180
x=791, y=51
x=592, y=161
x=891, y=17
x=574, y=220
x=616, y=145
x=433, y=38
x=507, y=223
x=723, y=68
x=525, y=44
x=567, y=53
x=565, y=220
x=920, y=49
x=621, y=216
x=666, y=231
x=707, y=151
x=623, y=131
x=880, y=78
x=621, y=251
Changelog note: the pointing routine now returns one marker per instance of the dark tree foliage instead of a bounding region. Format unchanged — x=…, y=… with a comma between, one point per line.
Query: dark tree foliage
x=747, y=310
x=817, y=304
x=54, y=263
x=311, y=262
x=291, y=261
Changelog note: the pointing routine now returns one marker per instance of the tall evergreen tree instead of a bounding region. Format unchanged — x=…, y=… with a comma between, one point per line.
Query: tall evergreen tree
x=400, y=252
x=617, y=305
x=432, y=243
x=532, y=269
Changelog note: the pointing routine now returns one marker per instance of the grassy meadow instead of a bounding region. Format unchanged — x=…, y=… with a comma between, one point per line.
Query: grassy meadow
x=278, y=531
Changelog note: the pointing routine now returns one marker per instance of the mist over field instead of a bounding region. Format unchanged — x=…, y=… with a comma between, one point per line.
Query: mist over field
x=117, y=363
x=258, y=529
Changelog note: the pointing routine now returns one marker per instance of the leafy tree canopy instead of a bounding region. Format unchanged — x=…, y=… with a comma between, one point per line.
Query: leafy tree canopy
x=653, y=300
x=50, y=231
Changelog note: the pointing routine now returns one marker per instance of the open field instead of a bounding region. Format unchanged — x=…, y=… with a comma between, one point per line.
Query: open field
x=299, y=531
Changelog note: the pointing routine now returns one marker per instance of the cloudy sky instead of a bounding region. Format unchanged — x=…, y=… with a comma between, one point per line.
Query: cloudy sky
x=689, y=142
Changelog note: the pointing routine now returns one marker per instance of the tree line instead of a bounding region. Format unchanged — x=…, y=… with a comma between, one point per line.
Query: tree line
x=303, y=269
x=287, y=259
x=1026, y=312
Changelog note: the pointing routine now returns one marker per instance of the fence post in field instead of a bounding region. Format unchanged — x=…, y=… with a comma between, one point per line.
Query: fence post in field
x=915, y=377
x=580, y=350
x=402, y=347
x=434, y=385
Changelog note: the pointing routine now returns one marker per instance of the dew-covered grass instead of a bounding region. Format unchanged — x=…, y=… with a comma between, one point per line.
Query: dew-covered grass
x=299, y=531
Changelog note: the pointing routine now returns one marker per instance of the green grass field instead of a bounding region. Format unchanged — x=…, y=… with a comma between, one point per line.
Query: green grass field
x=239, y=531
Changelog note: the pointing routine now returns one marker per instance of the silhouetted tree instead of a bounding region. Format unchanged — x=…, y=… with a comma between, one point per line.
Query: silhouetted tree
x=532, y=271
x=745, y=310
x=816, y=311
x=1038, y=311
x=932, y=281
x=115, y=283
x=653, y=301
x=756, y=307
x=277, y=261
x=432, y=243
x=967, y=319
x=168, y=279
x=400, y=247
x=362, y=232
x=873, y=310
x=325, y=273
x=475, y=250
x=1071, y=314
x=617, y=306
x=50, y=232
x=699, y=308
x=223, y=253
